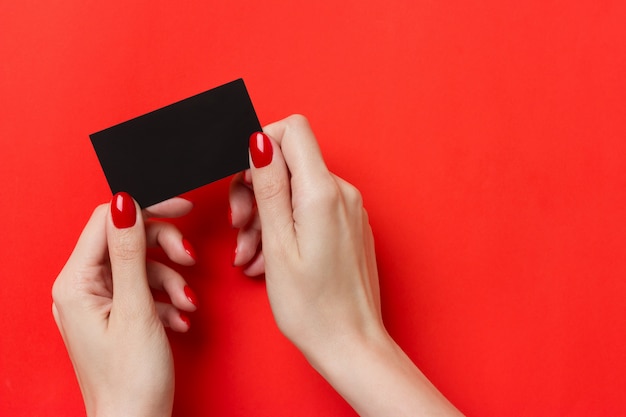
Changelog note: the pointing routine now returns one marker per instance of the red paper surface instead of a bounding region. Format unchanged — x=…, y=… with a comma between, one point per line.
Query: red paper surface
x=487, y=138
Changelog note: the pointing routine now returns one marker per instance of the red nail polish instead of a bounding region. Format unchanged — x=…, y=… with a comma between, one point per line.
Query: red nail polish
x=189, y=249
x=191, y=296
x=185, y=319
x=123, y=210
x=260, y=149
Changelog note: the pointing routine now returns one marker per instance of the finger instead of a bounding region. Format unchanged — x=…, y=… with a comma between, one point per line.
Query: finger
x=91, y=248
x=89, y=254
x=127, y=252
x=241, y=200
x=248, y=240
x=348, y=188
x=257, y=266
x=172, y=318
x=246, y=177
x=351, y=198
x=171, y=240
x=314, y=191
x=163, y=278
x=272, y=190
x=300, y=149
x=174, y=207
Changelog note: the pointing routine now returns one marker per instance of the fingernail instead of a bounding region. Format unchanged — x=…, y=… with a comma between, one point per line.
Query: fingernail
x=191, y=296
x=260, y=149
x=230, y=217
x=123, y=210
x=185, y=319
x=189, y=249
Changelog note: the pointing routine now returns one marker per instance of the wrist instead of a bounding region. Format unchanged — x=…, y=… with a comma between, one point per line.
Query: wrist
x=146, y=413
x=372, y=373
x=334, y=356
x=129, y=409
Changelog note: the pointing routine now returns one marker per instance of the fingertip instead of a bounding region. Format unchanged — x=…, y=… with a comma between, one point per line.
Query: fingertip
x=191, y=297
x=184, y=323
x=173, y=207
x=241, y=201
x=256, y=266
x=270, y=178
x=173, y=318
x=248, y=243
x=261, y=150
x=169, y=238
x=190, y=251
x=126, y=230
x=123, y=210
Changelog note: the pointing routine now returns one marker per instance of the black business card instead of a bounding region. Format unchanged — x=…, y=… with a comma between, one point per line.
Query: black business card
x=179, y=147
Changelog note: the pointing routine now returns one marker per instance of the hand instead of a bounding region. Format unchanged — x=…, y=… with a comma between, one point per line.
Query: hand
x=310, y=235
x=317, y=246
x=103, y=307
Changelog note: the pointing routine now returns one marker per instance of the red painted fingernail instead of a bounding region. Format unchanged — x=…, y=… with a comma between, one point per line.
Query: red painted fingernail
x=185, y=319
x=191, y=296
x=123, y=210
x=189, y=249
x=260, y=149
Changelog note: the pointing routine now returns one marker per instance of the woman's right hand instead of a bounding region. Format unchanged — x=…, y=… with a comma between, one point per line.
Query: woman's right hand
x=317, y=245
x=310, y=235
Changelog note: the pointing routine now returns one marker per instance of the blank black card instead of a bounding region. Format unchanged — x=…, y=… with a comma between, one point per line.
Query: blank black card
x=179, y=147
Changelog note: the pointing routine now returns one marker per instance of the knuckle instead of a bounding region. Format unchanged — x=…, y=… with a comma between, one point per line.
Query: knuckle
x=68, y=286
x=296, y=121
x=353, y=196
x=268, y=190
x=365, y=216
x=328, y=195
x=57, y=291
x=63, y=285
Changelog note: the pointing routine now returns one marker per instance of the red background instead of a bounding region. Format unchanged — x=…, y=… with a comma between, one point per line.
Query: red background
x=488, y=140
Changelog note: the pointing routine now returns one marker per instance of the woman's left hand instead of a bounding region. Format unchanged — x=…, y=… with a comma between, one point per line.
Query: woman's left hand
x=104, y=308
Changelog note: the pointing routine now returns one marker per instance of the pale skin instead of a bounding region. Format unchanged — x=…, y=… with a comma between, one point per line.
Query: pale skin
x=322, y=282
x=116, y=339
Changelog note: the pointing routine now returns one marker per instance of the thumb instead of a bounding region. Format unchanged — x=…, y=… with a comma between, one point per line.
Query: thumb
x=272, y=190
x=126, y=240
